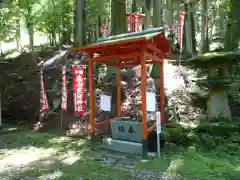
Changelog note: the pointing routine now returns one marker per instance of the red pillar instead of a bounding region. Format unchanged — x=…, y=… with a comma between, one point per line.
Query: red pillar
x=118, y=82
x=91, y=93
x=144, y=103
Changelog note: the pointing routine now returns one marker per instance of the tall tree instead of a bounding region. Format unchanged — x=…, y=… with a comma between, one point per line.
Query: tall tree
x=79, y=23
x=156, y=13
x=192, y=23
x=189, y=28
x=118, y=16
x=29, y=15
x=233, y=27
x=204, y=27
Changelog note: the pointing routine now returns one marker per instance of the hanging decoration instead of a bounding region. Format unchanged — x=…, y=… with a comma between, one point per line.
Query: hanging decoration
x=43, y=95
x=64, y=90
x=78, y=90
x=180, y=29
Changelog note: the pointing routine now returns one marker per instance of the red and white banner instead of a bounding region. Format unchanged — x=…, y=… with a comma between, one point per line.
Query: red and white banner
x=180, y=29
x=78, y=90
x=64, y=89
x=105, y=30
x=43, y=98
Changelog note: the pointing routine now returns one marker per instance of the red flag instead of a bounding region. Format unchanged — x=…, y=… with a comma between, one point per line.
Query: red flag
x=78, y=90
x=43, y=98
x=64, y=90
x=180, y=29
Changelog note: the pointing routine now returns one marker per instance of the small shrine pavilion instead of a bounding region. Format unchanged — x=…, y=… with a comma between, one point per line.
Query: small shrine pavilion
x=127, y=51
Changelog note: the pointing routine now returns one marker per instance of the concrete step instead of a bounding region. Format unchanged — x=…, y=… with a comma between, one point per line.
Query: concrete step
x=122, y=146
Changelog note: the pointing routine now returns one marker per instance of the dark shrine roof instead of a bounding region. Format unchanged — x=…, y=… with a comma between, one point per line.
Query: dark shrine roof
x=128, y=39
x=134, y=35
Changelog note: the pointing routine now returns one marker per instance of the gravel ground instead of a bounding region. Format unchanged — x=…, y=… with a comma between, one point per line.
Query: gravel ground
x=153, y=174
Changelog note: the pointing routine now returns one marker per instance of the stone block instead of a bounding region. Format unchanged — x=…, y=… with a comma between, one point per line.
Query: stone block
x=127, y=130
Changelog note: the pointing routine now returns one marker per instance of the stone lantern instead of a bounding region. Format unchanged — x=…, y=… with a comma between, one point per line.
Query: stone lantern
x=218, y=66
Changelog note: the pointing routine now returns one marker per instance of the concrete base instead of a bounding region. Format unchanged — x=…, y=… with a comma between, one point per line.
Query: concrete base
x=122, y=146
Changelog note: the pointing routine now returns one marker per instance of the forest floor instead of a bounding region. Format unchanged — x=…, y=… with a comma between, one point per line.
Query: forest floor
x=27, y=154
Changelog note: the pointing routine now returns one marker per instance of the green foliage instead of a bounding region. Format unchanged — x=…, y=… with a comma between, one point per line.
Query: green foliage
x=213, y=155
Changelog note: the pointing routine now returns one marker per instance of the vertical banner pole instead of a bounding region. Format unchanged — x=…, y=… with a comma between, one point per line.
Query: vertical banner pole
x=158, y=119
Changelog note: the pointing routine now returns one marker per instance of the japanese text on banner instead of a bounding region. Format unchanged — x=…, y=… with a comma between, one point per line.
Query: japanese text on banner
x=78, y=90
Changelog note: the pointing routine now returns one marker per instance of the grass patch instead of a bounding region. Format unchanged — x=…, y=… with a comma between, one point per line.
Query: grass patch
x=27, y=154
x=197, y=165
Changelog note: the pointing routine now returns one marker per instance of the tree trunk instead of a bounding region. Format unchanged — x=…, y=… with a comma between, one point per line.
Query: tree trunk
x=98, y=30
x=193, y=33
x=233, y=27
x=118, y=17
x=79, y=23
x=18, y=36
x=169, y=13
x=156, y=13
x=66, y=37
x=54, y=41
x=221, y=26
x=188, y=32
x=122, y=17
x=204, y=27
x=147, y=10
x=31, y=36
